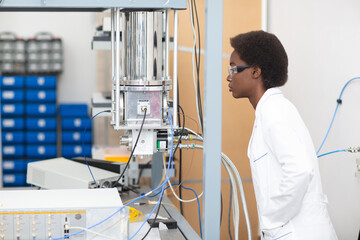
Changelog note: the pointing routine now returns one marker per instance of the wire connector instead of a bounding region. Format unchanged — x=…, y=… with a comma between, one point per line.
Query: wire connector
x=353, y=149
x=339, y=101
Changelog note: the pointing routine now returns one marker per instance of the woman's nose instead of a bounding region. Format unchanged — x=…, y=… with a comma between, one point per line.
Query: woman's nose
x=228, y=78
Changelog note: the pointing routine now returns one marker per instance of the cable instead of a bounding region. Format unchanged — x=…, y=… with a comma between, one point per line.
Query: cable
x=341, y=150
x=93, y=232
x=339, y=101
x=83, y=146
x=132, y=152
x=229, y=217
x=193, y=59
x=180, y=151
x=198, y=62
x=163, y=186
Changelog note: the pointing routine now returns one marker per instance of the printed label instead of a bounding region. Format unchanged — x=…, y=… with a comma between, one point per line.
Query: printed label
x=41, y=123
x=41, y=150
x=41, y=95
x=9, y=122
x=41, y=137
x=78, y=149
x=9, y=149
x=41, y=81
x=9, y=108
x=77, y=122
x=8, y=94
x=42, y=108
x=9, y=81
x=9, y=136
x=76, y=136
x=8, y=165
x=9, y=178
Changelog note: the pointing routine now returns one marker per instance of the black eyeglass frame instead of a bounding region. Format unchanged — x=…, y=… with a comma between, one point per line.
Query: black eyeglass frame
x=236, y=69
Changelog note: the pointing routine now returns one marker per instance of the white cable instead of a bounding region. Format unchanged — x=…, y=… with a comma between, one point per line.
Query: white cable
x=193, y=59
x=239, y=183
x=93, y=232
x=173, y=191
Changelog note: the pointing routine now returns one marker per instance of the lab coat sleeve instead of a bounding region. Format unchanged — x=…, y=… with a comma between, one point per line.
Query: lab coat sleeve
x=285, y=201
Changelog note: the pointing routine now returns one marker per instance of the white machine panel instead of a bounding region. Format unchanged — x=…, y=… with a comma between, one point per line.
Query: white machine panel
x=62, y=214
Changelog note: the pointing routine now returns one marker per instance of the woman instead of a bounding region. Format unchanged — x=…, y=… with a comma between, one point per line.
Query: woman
x=283, y=161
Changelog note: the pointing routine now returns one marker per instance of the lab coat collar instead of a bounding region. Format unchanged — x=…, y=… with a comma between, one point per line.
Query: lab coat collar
x=265, y=96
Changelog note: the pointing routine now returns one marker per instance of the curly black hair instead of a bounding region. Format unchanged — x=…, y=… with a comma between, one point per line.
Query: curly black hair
x=266, y=51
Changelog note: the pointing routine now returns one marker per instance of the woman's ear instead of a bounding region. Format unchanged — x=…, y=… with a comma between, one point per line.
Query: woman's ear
x=256, y=72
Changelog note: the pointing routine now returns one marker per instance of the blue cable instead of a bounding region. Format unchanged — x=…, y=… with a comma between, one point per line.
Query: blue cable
x=83, y=146
x=167, y=176
x=140, y=197
x=332, y=121
x=197, y=198
x=341, y=150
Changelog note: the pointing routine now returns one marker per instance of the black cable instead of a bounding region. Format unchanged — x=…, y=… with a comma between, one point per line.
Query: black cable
x=229, y=221
x=161, y=196
x=180, y=154
x=197, y=62
x=132, y=152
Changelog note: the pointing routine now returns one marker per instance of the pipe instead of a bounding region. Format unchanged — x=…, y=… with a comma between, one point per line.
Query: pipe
x=175, y=79
x=117, y=66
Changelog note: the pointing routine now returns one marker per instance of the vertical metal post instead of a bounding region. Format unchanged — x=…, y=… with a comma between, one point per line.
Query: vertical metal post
x=117, y=66
x=167, y=44
x=112, y=64
x=175, y=79
x=264, y=15
x=212, y=118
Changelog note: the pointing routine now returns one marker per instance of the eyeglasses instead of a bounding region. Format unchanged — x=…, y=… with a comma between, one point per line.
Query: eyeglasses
x=236, y=69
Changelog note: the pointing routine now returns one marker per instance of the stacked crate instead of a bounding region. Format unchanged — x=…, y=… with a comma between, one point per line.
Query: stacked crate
x=44, y=54
x=12, y=130
x=41, y=121
x=76, y=134
x=12, y=54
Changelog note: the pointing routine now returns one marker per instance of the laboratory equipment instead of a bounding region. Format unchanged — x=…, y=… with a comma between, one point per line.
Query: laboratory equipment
x=51, y=214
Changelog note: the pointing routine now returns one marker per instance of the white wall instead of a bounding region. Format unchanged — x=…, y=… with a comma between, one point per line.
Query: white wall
x=78, y=80
x=322, y=39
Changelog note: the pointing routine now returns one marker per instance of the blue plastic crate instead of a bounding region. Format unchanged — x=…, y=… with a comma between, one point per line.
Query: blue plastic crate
x=41, y=110
x=41, y=137
x=7, y=82
x=76, y=137
x=12, y=137
x=44, y=82
x=14, y=179
x=73, y=110
x=70, y=151
x=41, y=151
x=10, y=124
x=40, y=95
x=13, y=151
x=14, y=166
x=41, y=124
x=9, y=96
x=12, y=109
x=76, y=124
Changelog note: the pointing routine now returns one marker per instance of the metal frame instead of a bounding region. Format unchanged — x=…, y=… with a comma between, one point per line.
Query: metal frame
x=87, y=5
x=212, y=118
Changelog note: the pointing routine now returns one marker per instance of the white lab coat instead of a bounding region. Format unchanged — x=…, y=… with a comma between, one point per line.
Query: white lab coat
x=285, y=174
